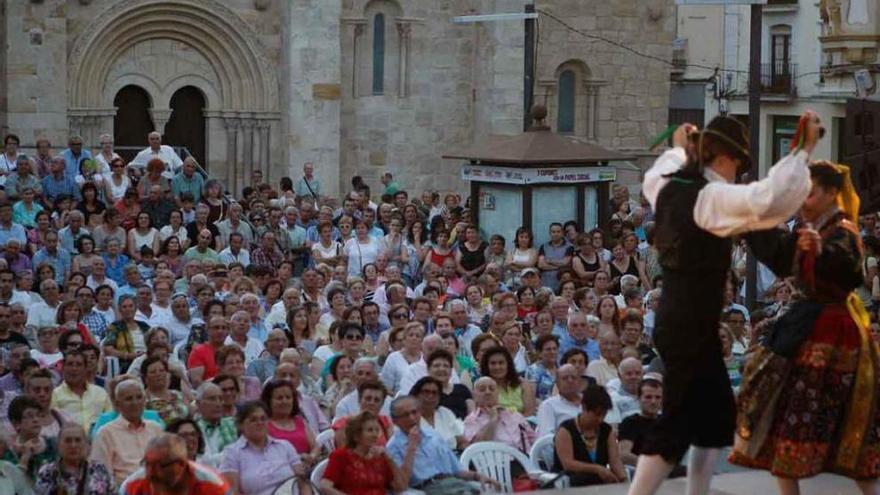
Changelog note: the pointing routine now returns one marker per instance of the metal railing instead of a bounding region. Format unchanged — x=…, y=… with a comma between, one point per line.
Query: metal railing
x=129, y=152
x=779, y=78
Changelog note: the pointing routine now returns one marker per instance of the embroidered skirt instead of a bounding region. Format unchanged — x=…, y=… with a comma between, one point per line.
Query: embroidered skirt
x=824, y=416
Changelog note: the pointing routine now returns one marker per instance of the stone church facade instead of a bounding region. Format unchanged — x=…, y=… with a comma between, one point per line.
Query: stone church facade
x=358, y=87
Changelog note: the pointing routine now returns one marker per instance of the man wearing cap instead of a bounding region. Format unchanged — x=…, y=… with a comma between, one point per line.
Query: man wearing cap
x=698, y=208
x=530, y=277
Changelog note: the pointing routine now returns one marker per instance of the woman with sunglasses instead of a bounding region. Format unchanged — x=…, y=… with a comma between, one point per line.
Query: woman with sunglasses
x=118, y=183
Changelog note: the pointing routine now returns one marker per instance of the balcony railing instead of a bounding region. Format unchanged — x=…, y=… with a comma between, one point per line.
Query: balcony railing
x=782, y=2
x=779, y=78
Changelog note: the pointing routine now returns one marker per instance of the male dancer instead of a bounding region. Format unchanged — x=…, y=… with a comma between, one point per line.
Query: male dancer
x=698, y=209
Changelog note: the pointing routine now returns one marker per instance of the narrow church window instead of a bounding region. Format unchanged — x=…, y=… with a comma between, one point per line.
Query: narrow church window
x=379, y=54
x=565, y=119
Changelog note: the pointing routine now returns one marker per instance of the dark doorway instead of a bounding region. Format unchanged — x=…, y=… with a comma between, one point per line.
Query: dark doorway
x=187, y=124
x=132, y=122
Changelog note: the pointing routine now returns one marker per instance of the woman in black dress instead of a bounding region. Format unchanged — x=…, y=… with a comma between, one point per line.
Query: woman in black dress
x=470, y=257
x=585, y=447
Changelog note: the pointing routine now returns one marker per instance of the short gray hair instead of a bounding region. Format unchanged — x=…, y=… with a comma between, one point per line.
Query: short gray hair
x=204, y=388
x=126, y=384
x=366, y=361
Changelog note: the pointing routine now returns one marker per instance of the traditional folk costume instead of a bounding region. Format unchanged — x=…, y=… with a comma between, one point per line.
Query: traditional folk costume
x=697, y=212
x=809, y=400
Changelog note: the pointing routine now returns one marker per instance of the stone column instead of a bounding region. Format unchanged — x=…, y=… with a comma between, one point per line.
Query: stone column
x=404, y=32
x=247, y=159
x=160, y=116
x=592, y=100
x=265, y=127
x=232, y=126
x=358, y=32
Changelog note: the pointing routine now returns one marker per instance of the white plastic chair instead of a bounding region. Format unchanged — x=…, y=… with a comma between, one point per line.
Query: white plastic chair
x=541, y=455
x=493, y=460
x=318, y=473
x=327, y=440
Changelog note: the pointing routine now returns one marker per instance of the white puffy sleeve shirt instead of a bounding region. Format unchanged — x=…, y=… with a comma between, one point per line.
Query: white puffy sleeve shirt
x=725, y=209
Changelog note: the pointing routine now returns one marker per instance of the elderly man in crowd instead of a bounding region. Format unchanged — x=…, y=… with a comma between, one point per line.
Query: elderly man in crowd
x=365, y=370
x=121, y=444
x=217, y=430
x=424, y=456
x=58, y=184
x=494, y=423
x=168, y=471
x=576, y=336
x=624, y=390
x=238, y=335
x=604, y=369
x=562, y=406
x=158, y=150
x=264, y=366
x=419, y=369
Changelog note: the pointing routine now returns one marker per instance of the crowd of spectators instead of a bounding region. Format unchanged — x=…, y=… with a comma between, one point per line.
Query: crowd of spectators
x=158, y=331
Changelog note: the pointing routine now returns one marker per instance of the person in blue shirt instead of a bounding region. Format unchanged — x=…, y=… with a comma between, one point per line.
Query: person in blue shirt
x=58, y=184
x=56, y=256
x=10, y=229
x=577, y=336
x=424, y=457
x=73, y=156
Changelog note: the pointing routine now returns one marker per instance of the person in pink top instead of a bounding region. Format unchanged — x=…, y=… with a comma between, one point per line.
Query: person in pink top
x=286, y=421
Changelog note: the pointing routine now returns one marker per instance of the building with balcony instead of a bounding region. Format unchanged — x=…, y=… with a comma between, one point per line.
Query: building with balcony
x=812, y=52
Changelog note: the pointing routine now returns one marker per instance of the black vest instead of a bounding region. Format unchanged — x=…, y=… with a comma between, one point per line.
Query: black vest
x=695, y=265
x=682, y=245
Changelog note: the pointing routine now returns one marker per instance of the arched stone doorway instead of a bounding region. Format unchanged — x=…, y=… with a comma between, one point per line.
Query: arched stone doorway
x=132, y=120
x=186, y=127
x=163, y=46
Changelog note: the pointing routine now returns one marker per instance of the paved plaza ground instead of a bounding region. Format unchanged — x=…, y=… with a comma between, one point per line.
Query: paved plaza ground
x=740, y=483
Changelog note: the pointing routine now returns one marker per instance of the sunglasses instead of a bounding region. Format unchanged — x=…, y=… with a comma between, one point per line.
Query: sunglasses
x=354, y=336
x=400, y=315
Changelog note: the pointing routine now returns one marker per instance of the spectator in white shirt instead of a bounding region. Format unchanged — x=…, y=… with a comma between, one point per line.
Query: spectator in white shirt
x=419, y=368
x=398, y=361
x=43, y=313
x=235, y=252
x=161, y=151
x=624, y=391
x=364, y=370
x=565, y=405
x=180, y=323
x=238, y=335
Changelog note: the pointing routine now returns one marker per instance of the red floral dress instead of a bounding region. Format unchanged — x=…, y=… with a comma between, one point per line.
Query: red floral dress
x=355, y=475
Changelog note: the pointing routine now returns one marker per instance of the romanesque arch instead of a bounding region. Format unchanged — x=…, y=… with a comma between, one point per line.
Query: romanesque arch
x=226, y=63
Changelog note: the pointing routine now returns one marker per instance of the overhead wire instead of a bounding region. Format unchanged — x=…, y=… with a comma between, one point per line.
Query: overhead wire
x=642, y=54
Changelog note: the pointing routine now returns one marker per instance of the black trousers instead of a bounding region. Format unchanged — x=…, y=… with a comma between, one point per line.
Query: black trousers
x=698, y=405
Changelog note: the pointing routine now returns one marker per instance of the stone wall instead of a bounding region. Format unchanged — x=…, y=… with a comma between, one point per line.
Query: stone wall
x=3, y=127
x=313, y=90
x=446, y=85
x=633, y=91
x=463, y=82
x=36, y=70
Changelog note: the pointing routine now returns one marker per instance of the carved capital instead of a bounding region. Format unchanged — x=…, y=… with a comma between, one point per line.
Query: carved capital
x=404, y=29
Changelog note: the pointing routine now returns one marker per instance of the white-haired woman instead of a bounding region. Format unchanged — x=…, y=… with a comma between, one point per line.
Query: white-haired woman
x=73, y=472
